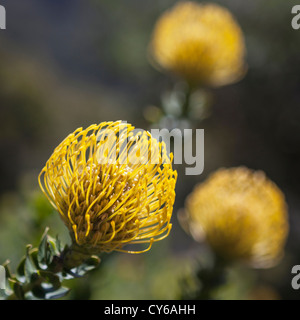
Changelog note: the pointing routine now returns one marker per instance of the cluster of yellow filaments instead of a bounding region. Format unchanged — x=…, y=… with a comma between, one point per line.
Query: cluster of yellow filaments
x=241, y=214
x=202, y=43
x=112, y=186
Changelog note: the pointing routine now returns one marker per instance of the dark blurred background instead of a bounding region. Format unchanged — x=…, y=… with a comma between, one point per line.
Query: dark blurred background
x=68, y=64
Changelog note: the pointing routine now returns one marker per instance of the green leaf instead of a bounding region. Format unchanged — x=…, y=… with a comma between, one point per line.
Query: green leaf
x=38, y=292
x=49, y=282
x=58, y=244
x=50, y=278
x=8, y=272
x=34, y=256
x=21, y=268
x=18, y=290
x=91, y=263
x=61, y=292
x=3, y=294
x=42, y=291
x=52, y=246
x=42, y=250
x=46, y=251
x=11, y=282
x=88, y=265
x=29, y=267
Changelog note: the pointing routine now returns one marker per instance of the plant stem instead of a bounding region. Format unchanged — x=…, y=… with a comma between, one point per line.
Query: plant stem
x=186, y=104
x=212, y=279
x=73, y=257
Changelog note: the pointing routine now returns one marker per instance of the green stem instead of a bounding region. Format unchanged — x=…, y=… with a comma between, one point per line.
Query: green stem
x=186, y=104
x=73, y=257
x=212, y=279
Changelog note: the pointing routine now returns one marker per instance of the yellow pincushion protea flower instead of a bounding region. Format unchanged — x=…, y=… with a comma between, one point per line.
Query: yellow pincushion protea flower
x=241, y=214
x=202, y=43
x=112, y=186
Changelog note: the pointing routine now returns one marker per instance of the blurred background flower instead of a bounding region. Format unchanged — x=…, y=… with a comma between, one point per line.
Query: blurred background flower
x=66, y=64
x=241, y=214
x=199, y=46
x=201, y=43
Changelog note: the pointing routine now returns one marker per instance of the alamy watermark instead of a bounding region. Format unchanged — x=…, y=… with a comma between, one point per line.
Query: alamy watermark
x=138, y=147
x=296, y=279
x=183, y=147
x=2, y=17
x=296, y=19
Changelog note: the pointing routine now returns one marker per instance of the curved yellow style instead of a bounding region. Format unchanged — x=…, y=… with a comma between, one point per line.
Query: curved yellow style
x=112, y=186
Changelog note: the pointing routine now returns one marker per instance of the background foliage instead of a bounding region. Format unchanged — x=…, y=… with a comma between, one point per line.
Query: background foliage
x=66, y=64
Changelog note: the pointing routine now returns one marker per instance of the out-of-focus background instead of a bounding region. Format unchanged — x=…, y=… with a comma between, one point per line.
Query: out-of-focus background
x=68, y=64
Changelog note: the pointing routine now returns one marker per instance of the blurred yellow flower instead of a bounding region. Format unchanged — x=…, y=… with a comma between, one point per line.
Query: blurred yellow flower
x=105, y=197
x=241, y=214
x=202, y=43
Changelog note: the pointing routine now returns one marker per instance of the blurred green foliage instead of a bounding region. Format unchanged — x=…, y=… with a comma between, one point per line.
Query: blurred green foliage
x=83, y=62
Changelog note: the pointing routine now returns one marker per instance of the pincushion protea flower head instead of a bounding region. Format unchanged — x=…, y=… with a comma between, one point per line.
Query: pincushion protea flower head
x=112, y=186
x=201, y=43
x=241, y=214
